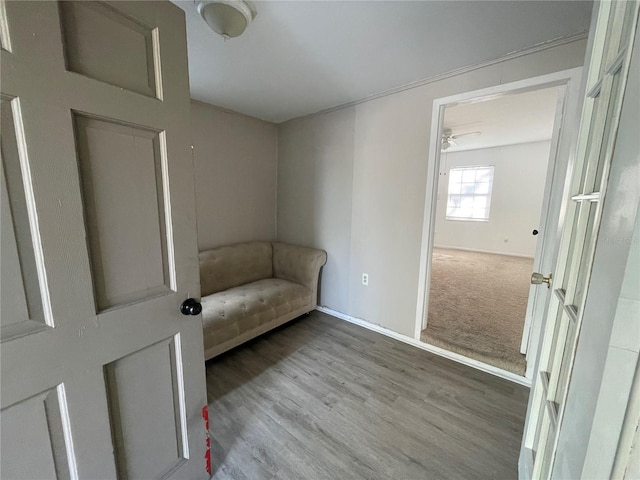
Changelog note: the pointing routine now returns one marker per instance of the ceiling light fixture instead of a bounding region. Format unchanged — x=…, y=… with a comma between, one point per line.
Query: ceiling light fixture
x=228, y=18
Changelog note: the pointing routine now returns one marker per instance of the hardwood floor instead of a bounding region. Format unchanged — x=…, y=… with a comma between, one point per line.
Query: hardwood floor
x=320, y=398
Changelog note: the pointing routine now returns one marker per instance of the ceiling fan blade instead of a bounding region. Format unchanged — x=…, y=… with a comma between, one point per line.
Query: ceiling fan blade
x=466, y=134
x=452, y=142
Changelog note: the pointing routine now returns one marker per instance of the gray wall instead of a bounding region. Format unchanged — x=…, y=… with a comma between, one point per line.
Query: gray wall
x=235, y=159
x=353, y=182
x=315, y=165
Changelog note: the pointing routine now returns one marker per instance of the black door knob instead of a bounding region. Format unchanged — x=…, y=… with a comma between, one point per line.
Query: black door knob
x=191, y=307
x=535, y=232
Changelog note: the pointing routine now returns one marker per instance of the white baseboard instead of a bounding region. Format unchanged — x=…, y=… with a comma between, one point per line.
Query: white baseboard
x=456, y=357
x=484, y=251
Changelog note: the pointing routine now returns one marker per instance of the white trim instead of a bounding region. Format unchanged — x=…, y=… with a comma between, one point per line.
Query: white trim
x=430, y=204
x=520, y=86
x=587, y=197
x=557, y=42
x=180, y=384
x=484, y=251
x=470, y=362
x=5, y=38
x=157, y=63
x=67, y=431
x=465, y=219
x=32, y=210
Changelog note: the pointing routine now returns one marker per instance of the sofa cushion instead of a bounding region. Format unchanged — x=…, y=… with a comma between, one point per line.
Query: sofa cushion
x=233, y=265
x=231, y=312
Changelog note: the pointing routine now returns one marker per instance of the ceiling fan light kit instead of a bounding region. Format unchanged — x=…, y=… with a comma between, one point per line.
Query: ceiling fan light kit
x=228, y=18
x=448, y=138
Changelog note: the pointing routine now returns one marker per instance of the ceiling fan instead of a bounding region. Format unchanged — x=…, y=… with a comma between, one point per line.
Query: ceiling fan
x=448, y=138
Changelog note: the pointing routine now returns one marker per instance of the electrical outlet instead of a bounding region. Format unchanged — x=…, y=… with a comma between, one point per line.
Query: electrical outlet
x=365, y=279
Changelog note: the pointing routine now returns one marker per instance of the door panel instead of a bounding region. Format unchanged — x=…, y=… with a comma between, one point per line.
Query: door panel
x=146, y=396
x=39, y=422
x=106, y=44
x=97, y=95
x=19, y=273
x=121, y=170
x=605, y=85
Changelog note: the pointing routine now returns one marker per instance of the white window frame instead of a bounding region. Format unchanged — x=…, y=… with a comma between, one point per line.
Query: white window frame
x=460, y=194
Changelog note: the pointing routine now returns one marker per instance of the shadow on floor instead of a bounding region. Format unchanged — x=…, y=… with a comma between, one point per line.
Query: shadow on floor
x=248, y=361
x=268, y=349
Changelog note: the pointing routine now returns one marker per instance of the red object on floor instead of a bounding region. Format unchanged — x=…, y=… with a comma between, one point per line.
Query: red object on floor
x=207, y=454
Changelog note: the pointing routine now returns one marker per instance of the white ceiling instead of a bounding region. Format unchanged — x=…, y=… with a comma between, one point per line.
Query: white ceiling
x=508, y=120
x=301, y=57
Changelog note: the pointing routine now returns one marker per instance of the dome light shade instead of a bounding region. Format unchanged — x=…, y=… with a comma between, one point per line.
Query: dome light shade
x=228, y=18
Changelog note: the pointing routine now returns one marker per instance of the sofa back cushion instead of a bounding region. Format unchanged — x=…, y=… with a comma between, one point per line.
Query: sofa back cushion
x=233, y=265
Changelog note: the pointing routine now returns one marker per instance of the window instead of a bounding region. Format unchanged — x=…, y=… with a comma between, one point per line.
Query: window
x=469, y=194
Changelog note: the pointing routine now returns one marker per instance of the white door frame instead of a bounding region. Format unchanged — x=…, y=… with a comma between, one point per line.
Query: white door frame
x=561, y=151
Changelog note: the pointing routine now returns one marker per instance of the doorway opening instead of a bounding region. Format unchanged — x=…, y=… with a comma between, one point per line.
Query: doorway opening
x=493, y=197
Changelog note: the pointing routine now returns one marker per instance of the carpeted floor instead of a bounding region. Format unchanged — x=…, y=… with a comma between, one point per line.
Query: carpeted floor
x=477, y=305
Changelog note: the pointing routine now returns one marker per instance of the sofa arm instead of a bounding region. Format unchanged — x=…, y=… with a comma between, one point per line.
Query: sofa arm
x=299, y=264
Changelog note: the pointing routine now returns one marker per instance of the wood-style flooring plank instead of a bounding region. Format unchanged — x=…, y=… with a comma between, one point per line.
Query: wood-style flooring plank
x=320, y=398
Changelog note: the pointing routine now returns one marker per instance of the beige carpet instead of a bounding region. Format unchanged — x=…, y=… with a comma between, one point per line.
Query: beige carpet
x=477, y=305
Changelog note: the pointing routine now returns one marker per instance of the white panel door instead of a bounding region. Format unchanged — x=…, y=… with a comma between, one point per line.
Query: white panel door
x=102, y=375
x=605, y=85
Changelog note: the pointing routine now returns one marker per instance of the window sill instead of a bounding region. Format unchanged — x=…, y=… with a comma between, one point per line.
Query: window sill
x=459, y=219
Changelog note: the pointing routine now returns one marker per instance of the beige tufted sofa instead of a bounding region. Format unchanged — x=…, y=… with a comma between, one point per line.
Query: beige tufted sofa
x=250, y=288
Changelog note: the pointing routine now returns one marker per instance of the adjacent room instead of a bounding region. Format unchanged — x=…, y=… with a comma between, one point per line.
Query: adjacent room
x=491, y=188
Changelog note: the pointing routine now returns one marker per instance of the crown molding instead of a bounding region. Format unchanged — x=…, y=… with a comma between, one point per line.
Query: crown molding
x=539, y=47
